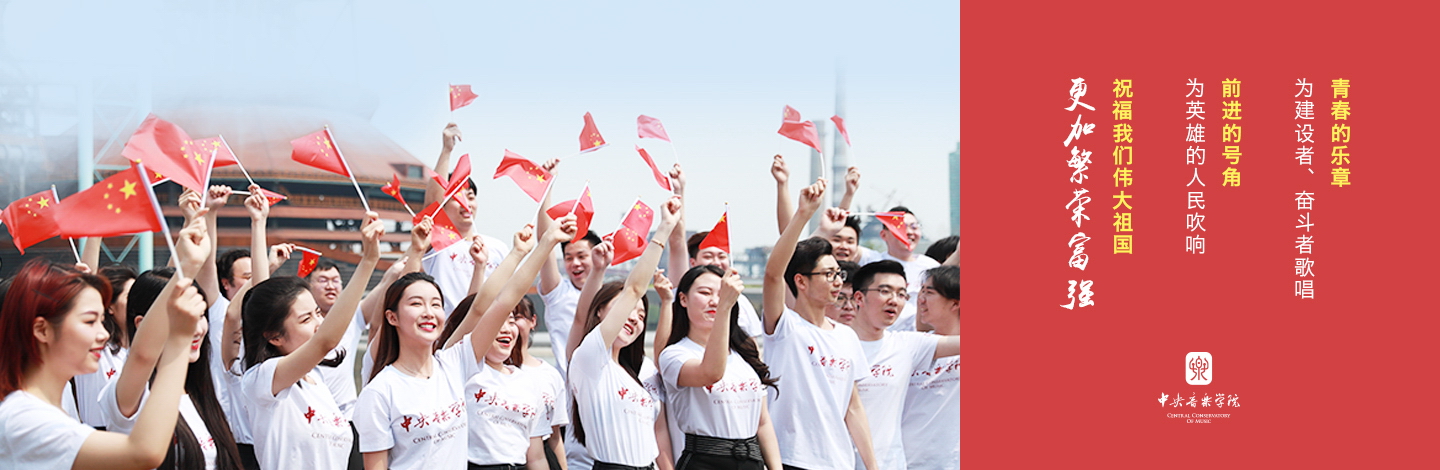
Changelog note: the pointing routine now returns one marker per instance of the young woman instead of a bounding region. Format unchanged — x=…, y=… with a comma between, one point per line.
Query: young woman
x=294, y=419
x=50, y=331
x=545, y=380
x=88, y=386
x=714, y=379
x=624, y=431
x=202, y=434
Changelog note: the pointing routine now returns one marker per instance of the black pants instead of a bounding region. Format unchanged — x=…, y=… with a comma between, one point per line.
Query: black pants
x=693, y=461
x=473, y=466
x=550, y=456
x=247, y=457
x=356, y=463
x=791, y=467
x=615, y=466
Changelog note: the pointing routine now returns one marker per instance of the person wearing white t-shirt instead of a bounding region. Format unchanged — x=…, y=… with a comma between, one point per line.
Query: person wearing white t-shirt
x=294, y=418
x=616, y=417
x=195, y=446
x=714, y=379
x=450, y=266
x=561, y=290
x=35, y=433
x=818, y=417
x=681, y=261
x=325, y=286
x=902, y=250
x=89, y=386
x=547, y=381
x=894, y=355
x=931, y=420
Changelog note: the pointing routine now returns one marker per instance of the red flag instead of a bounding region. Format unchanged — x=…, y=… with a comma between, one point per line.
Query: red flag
x=840, y=125
x=790, y=115
x=531, y=178
x=393, y=189
x=583, y=214
x=802, y=132
x=31, y=220
x=443, y=233
x=167, y=150
x=629, y=239
x=458, y=177
x=590, y=136
x=719, y=236
x=272, y=197
x=461, y=96
x=659, y=177
x=651, y=128
x=217, y=146
x=307, y=263
x=120, y=205
x=319, y=150
x=895, y=222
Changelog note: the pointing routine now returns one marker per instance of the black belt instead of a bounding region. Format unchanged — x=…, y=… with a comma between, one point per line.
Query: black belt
x=748, y=448
x=507, y=466
x=615, y=466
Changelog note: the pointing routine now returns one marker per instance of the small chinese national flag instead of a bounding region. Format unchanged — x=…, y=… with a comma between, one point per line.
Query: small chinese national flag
x=219, y=148
x=461, y=96
x=895, y=222
x=393, y=189
x=443, y=234
x=319, y=150
x=583, y=212
x=659, y=177
x=458, y=177
x=629, y=239
x=651, y=128
x=590, y=138
x=840, y=126
x=802, y=132
x=790, y=115
x=307, y=263
x=719, y=236
x=119, y=205
x=531, y=178
x=167, y=150
x=31, y=220
x=272, y=197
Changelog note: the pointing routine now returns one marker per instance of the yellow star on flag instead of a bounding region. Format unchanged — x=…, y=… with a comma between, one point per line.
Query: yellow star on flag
x=128, y=190
x=44, y=202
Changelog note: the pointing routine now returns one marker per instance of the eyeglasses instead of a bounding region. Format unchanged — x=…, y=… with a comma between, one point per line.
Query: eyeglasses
x=913, y=226
x=842, y=301
x=886, y=292
x=830, y=276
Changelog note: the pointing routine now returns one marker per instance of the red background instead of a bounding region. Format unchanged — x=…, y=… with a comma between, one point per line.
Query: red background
x=1346, y=380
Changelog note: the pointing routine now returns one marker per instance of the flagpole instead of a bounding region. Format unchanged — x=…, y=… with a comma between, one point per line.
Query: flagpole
x=205, y=187
x=237, y=159
x=582, y=196
x=676, y=152
x=548, y=185
x=307, y=250
x=363, y=201
x=164, y=227
x=73, y=249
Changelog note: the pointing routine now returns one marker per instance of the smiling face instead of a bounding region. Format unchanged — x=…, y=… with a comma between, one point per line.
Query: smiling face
x=505, y=341
x=325, y=287
x=74, y=345
x=577, y=262
x=417, y=317
x=936, y=310
x=846, y=245
x=912, y=233
x=461, y=209
x=702, y=301
x=300, y=325
x=877, y=310
x=633, y=328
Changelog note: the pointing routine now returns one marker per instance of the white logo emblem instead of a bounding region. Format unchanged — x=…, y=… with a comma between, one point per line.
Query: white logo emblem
x=1199, y=368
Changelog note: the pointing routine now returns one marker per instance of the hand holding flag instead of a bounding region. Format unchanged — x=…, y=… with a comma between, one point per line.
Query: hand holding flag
x=583, y=208
x=308, y=260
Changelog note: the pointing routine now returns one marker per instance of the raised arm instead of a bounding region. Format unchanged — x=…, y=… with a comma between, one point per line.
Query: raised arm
x=259, y=210
x=852, y=184
x=90, y=256
x=371, y=307
x=600, y=257
x=299, y=362
x=783, y=208
x=278, y=254
x=830, y=223
x=209, y=279
x=497, y=313
x=665, y=291
x=149, y=342
x=679, y=261
x=550, y=275
x=523, y=243
x=145, y=447
x=639, y=279
x=954, y=258
x=775, y=286
x=711, y=367
x=448, y=137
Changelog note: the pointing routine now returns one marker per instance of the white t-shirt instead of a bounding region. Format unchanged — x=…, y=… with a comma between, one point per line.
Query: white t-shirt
x=453, y=267
x=554, y=402
x=577, y=457
x=216, y=316
x=89, y=386
x=300, y=427
x=341, y=378
x=818, y=370
x=505, y=412
x=750, y=321
x=421, y=421
x=67, y=402
x=868, y=256
x=729, y=408
x=893, y=358
x=239, y=411
x=125, y=424
x=37, y=435
x=931, y=421
x=559, y=316
x=618, y=413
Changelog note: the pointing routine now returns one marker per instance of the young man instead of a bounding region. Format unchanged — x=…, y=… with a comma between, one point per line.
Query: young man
x=818, y=416
x=325, y=286
x=930, y=422
x=561, y=290
x=880, y=294
x=915, y=263
x=679, y=262
x=843, y=310
x=452, y=267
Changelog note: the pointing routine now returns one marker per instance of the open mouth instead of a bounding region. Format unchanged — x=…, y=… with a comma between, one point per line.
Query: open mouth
x=628, y=329
x=892, y=313
x=96, y=351
x=428, y=326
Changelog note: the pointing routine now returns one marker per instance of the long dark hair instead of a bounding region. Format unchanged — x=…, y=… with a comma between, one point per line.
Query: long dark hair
x=462, y=309
x=632, y=356
x=118, y=275
x=452, y=322
x=185, y=451
x=526, y=308
x=740, y=342
x=387, y=346
x=262, y=316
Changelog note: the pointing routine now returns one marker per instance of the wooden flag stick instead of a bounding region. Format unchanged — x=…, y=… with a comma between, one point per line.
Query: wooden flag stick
x=164, y=227
x=73, y=249
x=363, y=201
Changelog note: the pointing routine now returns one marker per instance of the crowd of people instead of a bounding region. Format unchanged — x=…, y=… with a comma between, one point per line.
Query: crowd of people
x=850, y=361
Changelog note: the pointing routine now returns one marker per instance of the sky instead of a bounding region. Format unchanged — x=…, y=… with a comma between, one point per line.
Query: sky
x=716, y=74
